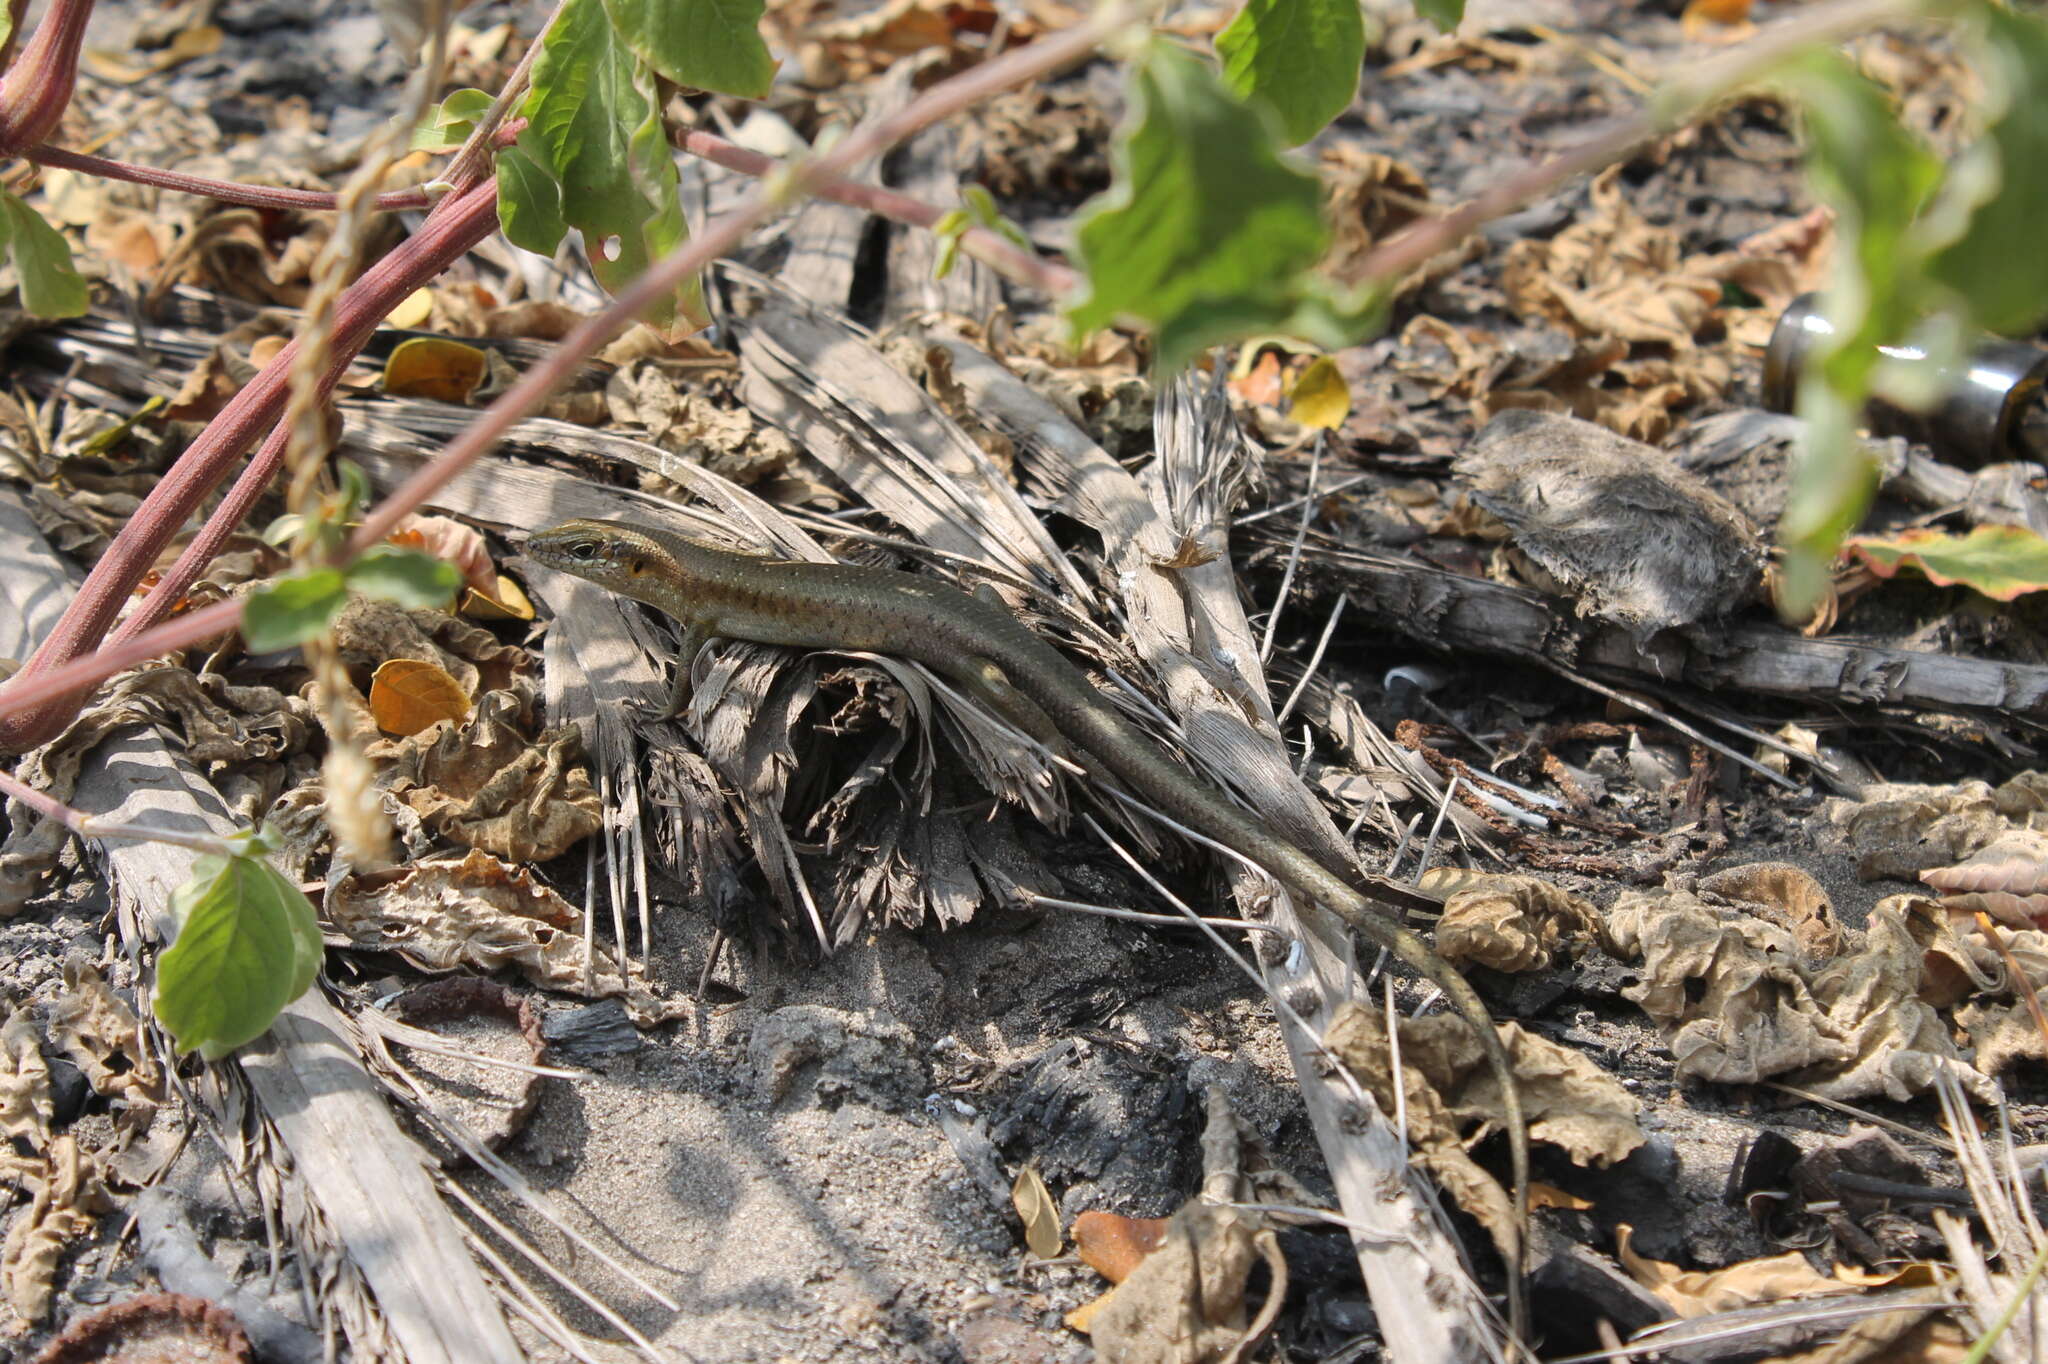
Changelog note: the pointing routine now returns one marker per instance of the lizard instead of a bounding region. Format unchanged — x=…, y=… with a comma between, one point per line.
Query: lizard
x=718, y=593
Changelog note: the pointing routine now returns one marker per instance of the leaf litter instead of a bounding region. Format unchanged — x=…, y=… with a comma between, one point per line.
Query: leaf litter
x=1628, y=316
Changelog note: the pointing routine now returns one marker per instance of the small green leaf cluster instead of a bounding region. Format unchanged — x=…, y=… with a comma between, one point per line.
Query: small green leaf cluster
x=1928, y=254
x=248, y=943
x=1209, y=233
x=299, y=606
x=595, y=154
x=978, y=210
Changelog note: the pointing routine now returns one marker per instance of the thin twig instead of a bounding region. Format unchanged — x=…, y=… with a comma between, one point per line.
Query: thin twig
x=1308, y=514
x=226, y=191
x=1315, y=660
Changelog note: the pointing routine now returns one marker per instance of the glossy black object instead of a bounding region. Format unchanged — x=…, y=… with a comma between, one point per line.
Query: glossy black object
x=1974, y=425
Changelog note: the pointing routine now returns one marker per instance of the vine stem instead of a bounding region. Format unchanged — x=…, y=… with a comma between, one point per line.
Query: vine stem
x=454, y=225
x=92, y=826
x=466, y=165
x=226, y=191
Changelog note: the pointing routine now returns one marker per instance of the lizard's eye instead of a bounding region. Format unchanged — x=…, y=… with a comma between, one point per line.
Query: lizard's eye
x=583, y=551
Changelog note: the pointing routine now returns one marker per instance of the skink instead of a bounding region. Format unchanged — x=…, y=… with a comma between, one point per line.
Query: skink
x=716, y=593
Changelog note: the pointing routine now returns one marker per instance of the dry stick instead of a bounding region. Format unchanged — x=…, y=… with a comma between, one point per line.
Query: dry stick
x=942, y=101
x=226, y=191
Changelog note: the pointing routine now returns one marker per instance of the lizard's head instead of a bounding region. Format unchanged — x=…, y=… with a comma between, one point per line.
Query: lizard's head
x=607, y=553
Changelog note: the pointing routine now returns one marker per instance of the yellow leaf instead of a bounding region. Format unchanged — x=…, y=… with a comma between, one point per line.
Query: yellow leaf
x=1319, y=397
x=1041, y=1216
x=434, y=367
x=413, y=310
x=407, y=695
x=507, y=603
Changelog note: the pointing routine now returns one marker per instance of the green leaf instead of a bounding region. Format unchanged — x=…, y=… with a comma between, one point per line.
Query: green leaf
x=1877, y=177
x=1300, y=58
x=1997, y=264
x=449, y=123
x=1445, y=14
x=529, y=203
x=1205, y=233
x=2002, y=562
x=248, y=944
x=50, y=283
x=292, y=610
x=705, y=44
x=595, y=129
x=411, y=578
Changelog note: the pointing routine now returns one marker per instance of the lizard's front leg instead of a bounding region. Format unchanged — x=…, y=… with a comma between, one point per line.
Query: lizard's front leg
x=696, y=634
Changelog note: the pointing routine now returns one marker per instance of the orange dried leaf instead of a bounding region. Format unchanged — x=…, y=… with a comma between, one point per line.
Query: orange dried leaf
x=434, y=367
x=1113, y=1245
x=407, y=695
x=1550, y=1196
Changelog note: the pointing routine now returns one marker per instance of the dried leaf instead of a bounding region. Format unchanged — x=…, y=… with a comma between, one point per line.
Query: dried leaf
x=1508, y=923
x=25, y=1103
x=1785, y=894
x=1114, y=1245
x=407, y=696
x=479, y=912
x=434, y=367
x=448, y=539
x=1039, y=1212
x=202, y=40
x=66, y=1195
x=2011, y=866
x=484, y=784
x=1185, y=1303
x=1738, y=1002
x=1319, y=397
x=1452, y=1099
x=506, y=601
x=1700, y=1293
x=412, y=311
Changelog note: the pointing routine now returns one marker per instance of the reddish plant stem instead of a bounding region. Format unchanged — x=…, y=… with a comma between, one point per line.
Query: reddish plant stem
x=458, y=223
x=227, y=191
x=992, y=248
x=37, y=87
x=255, y=479
x=67, y=680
